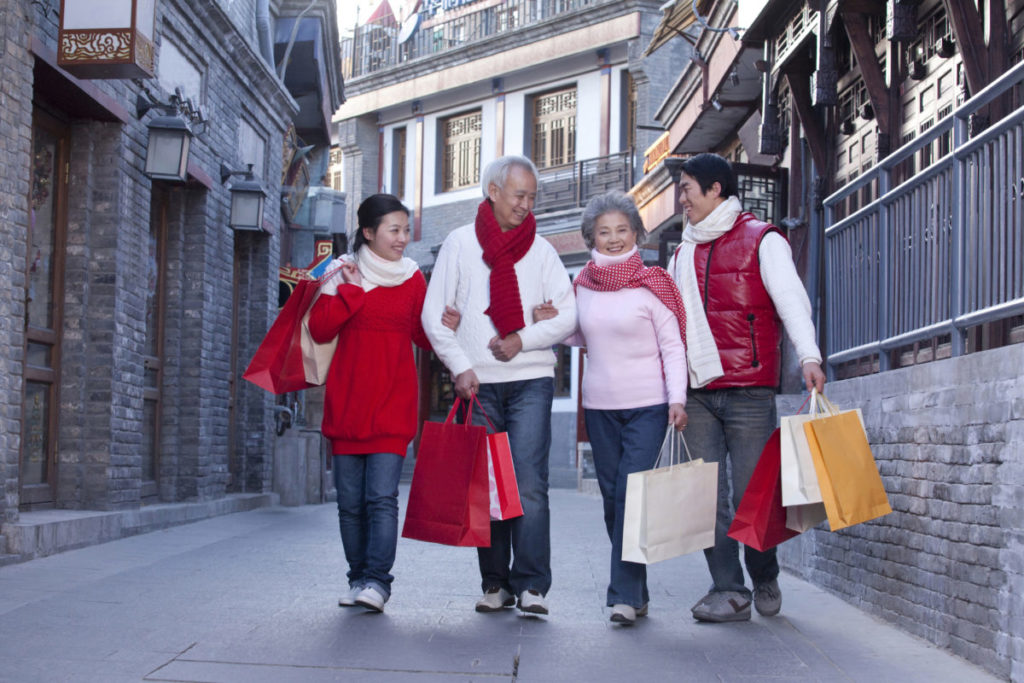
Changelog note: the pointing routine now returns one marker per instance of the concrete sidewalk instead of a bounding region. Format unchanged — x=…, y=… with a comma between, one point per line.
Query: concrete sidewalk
x=253, y=597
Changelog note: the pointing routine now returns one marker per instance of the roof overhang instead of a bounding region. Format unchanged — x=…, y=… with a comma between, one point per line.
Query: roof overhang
x=677, y=16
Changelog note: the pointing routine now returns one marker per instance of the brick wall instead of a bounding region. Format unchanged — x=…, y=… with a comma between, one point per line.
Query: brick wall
x=15, y=117
x=946, y=564
x=107, y=270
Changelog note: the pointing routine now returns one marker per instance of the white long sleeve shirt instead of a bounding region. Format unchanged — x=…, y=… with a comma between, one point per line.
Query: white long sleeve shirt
x=778, y=273
x=461, y=279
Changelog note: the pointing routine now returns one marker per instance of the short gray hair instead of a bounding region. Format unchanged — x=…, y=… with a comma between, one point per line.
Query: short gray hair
x=497, y=171
x=608, y=202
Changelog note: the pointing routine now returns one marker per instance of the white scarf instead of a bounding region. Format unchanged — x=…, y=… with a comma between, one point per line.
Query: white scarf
x=380, y=272
x=703, y=361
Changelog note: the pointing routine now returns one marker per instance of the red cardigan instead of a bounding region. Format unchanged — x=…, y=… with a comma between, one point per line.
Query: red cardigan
x=370, y=405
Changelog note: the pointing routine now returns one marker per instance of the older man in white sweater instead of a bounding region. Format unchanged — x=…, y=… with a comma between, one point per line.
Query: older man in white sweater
x=494, y=272
x=740, y=289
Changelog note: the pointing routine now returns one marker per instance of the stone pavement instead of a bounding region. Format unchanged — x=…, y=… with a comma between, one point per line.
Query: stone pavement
x=252, y=597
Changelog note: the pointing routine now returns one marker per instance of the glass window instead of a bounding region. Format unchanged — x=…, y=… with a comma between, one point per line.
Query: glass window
x=461, y=146
x=554, y=128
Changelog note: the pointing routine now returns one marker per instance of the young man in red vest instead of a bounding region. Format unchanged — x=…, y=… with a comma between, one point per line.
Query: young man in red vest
x=740, y=289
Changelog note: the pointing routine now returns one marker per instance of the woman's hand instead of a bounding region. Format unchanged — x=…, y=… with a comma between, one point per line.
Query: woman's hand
x=350, y=274
x=545, y=311
x=677, y=416
x=451, y=318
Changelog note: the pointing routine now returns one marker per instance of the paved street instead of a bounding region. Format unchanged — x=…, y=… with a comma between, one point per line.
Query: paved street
x=252, y=597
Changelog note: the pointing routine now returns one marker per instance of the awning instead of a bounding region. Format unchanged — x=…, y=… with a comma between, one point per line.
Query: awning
x=677, y=17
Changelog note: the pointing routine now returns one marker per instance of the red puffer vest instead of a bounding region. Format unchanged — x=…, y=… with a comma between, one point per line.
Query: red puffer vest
x=743, y=319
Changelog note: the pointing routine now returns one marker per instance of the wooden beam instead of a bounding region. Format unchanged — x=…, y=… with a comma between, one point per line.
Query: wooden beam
x=800, y=90
x=864, y=50
x=970, y=37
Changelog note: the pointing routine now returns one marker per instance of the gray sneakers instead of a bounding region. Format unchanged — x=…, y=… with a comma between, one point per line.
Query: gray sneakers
x=768, y=598
x=494, y=600
x=720, y=606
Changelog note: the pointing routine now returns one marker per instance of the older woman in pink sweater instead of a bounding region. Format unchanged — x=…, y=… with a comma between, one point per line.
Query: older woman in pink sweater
x=630, y=317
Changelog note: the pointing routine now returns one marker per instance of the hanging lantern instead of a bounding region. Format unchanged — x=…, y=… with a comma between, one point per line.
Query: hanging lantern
x=110, y=39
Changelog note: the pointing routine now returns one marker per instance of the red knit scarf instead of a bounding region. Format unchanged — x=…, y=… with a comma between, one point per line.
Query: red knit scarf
x=633, y=273
x=502, y=250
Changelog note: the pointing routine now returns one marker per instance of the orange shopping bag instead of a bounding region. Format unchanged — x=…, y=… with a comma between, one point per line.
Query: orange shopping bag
x=851, y=487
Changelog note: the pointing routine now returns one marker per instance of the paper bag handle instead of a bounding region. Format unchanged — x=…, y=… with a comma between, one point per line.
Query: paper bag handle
x=674, y=452
x=469, y=412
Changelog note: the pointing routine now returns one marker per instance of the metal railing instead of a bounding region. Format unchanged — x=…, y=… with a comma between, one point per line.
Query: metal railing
x=571, y=186
x=375, y=48
x=937, y=254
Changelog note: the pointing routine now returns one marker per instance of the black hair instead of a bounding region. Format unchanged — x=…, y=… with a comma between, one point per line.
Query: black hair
x=708, y=169
x=370, y=213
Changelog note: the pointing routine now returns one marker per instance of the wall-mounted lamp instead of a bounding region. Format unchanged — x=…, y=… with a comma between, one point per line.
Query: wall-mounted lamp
x=247, y=199
x=716, y=104
x=170, y=135
x=110, y=39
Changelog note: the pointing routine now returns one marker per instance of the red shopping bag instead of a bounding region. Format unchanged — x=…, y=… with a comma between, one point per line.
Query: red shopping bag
x=277, y=364
x=760, y=520
x=448, y=498
x=501, y=478
x=281, y=364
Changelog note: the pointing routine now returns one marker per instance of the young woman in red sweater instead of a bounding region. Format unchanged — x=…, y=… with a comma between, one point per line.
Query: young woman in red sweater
x=372, y=305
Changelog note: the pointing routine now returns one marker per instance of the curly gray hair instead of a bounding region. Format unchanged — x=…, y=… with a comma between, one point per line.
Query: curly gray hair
x=606, y=203
x=497, y=171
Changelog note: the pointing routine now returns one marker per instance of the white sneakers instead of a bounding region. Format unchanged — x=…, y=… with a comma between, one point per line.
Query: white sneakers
x=348, y=599
x=371, y=599
x=623, y=614
x=363, y=596
x=495, y=600
x=532, y=602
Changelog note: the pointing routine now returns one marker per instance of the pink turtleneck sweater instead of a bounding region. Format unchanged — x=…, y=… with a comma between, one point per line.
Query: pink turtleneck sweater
x=630, y=336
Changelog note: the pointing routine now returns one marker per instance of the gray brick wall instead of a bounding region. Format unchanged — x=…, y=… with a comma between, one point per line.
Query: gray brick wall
x=946, y=564
x=15, y=161
x=103, y=338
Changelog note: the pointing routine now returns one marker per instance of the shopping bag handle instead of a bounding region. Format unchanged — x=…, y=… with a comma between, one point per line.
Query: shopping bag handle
x=469, y=412
x=821, y=405
x=674, y=452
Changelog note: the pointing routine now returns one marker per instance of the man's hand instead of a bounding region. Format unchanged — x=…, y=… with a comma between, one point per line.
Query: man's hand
x=466, y=385
x=545, y=311
x=505, y=349
x=814, y=378
x=677, y=416
x=451, y=318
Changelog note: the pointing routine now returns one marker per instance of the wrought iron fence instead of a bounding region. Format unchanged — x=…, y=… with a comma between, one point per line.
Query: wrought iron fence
x=937, y=254
x=570, y=186
x=374, y=48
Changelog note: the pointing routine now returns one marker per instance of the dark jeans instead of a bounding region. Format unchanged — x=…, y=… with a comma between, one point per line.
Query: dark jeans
x=519, y=557
x=731, y=427
x=623, y=442
x=367, y=488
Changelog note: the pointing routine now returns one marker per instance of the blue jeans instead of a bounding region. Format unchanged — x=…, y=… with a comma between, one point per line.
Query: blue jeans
x=732, y=424
x=623, y=442
x=367, y=488
x=519, y=557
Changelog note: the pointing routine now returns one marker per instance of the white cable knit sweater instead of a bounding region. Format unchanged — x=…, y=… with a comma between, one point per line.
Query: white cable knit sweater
x=460, y=279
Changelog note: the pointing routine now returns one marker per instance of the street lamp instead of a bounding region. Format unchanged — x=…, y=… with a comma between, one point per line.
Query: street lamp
x=247, y=199
x=170, y=135
x=167, y=150
x=110, y=39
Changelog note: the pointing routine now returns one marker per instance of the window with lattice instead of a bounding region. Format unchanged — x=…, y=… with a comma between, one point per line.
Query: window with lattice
x=461, y=157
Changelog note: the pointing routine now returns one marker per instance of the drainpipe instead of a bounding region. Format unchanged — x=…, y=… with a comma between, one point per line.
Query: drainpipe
x=263, y=31
x=283, y=67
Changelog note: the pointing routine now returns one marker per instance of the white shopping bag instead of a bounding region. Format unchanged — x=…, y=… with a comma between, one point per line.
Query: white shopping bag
x=670, y=511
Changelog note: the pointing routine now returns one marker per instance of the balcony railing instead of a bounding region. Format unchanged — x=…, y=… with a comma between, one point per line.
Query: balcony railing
x=571, y=186
x=375, y=48
x=937, y=254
